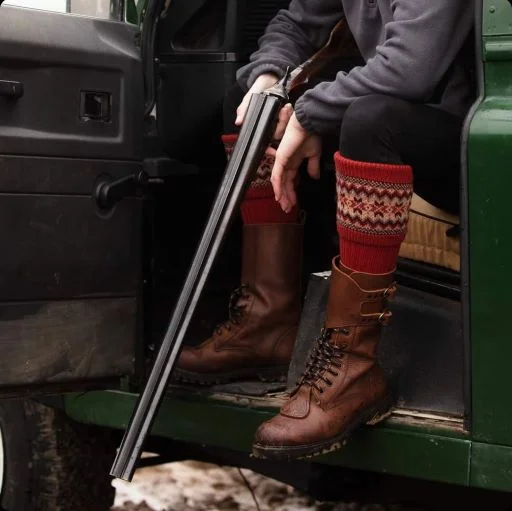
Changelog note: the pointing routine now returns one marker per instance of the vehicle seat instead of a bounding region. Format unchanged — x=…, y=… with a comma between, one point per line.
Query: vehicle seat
x=432, y=236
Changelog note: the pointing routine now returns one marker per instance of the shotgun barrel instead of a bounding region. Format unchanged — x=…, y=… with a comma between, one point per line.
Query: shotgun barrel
x=254, y=137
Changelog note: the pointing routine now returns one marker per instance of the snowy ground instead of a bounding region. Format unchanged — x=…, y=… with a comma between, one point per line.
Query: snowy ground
x=201, y=487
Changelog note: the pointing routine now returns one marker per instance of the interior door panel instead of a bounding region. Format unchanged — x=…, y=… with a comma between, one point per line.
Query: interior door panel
x=70, y=275
x=58, y=58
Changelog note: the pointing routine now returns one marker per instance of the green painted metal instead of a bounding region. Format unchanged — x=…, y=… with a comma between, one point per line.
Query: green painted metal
x=410, y=451
x=497, y=48
x=491, y=467
x=490, y=250
x=497, y=17
x=417, y=454
x=130, y=12
x=141, y=6
x=490, y=154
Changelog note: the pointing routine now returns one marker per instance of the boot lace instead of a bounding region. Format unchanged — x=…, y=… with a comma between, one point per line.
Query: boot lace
x=236, y=309
x=325, y=360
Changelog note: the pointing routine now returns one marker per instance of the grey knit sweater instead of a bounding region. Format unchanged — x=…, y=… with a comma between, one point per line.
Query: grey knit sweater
x=409, y=46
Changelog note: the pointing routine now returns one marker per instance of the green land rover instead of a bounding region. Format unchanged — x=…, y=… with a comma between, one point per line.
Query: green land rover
x=110, y=125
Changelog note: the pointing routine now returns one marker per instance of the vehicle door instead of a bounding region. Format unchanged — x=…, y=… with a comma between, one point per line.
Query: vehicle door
x=71, y=113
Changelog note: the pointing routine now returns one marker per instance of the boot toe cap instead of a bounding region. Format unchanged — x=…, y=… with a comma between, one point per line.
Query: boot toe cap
x=188, y=358
x=275, y=433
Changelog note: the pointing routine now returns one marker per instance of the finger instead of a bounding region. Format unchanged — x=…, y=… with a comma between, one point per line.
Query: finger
x=284, y=117
x=277, y=179
x=271, y=151
x=288, y=199
x=285, y=204
x=288, y=184
x=241, y=110
x=284, y=201
x=314, y=167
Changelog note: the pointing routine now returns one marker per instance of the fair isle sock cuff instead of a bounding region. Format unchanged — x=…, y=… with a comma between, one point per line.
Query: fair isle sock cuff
x=385, y=172
x=373, y=201
x=259, y=205
x=264, y=171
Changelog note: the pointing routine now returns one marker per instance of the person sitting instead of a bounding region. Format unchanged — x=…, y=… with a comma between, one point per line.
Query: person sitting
x=398, y=118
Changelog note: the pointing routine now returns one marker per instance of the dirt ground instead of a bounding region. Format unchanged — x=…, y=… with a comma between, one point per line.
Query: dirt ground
x=202, y=487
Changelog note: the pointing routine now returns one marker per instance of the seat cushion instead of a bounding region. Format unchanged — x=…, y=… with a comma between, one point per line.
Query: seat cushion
x=427, y=239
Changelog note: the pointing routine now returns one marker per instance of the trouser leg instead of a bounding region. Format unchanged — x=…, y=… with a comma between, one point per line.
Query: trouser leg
x=382, y=129
x=386, y=146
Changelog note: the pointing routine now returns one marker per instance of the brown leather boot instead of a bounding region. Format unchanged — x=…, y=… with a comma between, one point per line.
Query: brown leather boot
x=343, y=386
x=257, y=340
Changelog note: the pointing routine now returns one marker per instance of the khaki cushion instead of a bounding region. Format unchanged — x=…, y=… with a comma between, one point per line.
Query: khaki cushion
x=426, y=238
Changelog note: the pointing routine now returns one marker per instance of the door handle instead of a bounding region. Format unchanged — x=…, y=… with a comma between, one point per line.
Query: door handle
x=11, y=89
x=109, y=193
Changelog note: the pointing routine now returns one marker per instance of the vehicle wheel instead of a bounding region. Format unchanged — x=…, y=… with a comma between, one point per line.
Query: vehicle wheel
x=51, y=463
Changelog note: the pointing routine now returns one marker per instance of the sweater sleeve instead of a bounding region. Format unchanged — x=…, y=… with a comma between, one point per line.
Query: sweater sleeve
x=420, y=44
x=292, y=37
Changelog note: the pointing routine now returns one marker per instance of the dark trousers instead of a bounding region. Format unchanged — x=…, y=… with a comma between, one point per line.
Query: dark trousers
x=383, y=129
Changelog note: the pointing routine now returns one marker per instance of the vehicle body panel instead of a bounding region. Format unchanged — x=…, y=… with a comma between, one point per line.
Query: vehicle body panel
x=69, y=271
x=490, y=247
x=397, y=448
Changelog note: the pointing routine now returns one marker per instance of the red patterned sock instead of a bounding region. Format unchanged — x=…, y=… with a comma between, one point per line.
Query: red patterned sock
x=373, y=210
x=259, y=205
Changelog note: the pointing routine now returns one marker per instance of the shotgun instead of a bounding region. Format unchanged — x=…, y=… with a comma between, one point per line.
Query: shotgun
x=255, y=136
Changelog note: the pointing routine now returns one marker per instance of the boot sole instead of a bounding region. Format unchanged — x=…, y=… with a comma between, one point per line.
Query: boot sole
x=264, y=374
x=370, y=416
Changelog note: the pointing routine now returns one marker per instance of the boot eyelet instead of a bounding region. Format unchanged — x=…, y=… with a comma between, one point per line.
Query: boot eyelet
x=344, y=346
x=385, y=317
x=390, y=291
x=345, y=331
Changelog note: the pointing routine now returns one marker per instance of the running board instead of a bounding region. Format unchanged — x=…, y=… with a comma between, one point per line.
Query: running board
x=399, y=416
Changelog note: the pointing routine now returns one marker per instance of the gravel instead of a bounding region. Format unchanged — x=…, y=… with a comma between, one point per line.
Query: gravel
x=203, y=487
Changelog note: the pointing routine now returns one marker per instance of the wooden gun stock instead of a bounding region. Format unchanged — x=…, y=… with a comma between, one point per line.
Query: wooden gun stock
x=341, y=44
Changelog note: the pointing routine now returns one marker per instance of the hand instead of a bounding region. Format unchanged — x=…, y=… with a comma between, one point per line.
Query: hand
x=285, y=114
x=296, y=145
x=263, y=82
